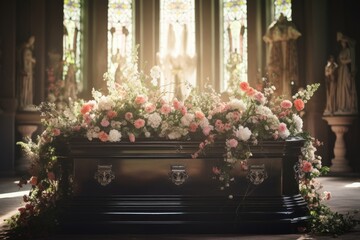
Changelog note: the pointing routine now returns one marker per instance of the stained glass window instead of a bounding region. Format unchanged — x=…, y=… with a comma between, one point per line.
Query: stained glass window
x=120, y=35
x=177, y=56
x=235, y=54
x=72, y=42
x=284, y=7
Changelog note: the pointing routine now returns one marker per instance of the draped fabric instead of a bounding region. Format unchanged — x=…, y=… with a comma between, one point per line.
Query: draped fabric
x=282, y=56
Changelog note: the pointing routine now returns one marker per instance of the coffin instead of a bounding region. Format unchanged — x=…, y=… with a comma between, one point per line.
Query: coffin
x=156, y=186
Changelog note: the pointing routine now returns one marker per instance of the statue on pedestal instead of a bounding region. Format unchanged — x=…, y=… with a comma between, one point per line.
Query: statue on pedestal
x=346, y=97
x=26, y=74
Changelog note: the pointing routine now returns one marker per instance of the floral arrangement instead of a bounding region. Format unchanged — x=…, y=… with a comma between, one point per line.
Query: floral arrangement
x=137, y=108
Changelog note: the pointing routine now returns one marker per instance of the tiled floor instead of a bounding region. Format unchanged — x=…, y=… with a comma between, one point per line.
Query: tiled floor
x=345, y=197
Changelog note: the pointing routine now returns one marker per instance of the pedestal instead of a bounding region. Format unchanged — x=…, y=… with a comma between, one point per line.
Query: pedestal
x=340, y=125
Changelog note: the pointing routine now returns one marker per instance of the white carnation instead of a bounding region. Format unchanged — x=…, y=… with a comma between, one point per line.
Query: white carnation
x=298, y=122
x=243, y=133
x=154, y=120
x=114, y=135
x=237, y=104
x=106, y=103
x=187, y=119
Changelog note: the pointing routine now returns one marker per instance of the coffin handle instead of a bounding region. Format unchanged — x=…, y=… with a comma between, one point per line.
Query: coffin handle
x=178, y=174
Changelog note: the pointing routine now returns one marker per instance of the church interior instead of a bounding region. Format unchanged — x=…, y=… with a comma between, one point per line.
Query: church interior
x=292, y=43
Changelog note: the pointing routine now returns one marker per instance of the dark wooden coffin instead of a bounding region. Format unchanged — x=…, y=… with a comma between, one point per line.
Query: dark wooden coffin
x=156, y=186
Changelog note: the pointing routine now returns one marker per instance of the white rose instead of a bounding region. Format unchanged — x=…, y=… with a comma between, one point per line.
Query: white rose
x=114, y=135
x=243, y=133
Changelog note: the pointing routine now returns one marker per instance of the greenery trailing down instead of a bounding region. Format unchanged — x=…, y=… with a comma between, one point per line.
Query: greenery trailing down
x=137, y=108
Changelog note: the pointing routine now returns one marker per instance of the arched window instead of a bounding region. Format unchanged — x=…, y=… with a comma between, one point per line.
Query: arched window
x=120, y=35
x=234, y=35
x=72, y=47
x=177, y=56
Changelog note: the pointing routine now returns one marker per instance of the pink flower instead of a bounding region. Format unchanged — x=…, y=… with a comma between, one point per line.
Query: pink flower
x=232, y=143
x=327, y=195
x=165, y=109
x=306, y=166
x=192, y=127
x=111, y=114
x=149, y=107
x=86, y=108
x=206, y=130
x=56, y=132
x=286, y=104
x=244, y=86
x=33, y=180
x=216, y=170
x=199, y=115
x=128, y=116
x=131, y=137
x=177, y=104
x=259, y=96
x=103, y=136
x=139, y=123
x=140, y=99
x=250, y=92
x=299, y=104
x=183, y=110
x=105, y=122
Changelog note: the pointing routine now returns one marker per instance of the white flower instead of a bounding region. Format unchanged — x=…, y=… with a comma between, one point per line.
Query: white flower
x=105, y=103
x=174, y=135
x=154, y=120
x=237, y=104
x=243, y=133
x=187, y=119
x=298, y=123
x=155, y=72
x=114, y=135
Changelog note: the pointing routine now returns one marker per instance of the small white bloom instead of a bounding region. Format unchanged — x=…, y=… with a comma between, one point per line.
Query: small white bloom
x=114, y=135
x=155, y=72
x=187, y=119
x=237, y=104
x=243, y=133
x=154, y=120
x=298, y=123
x=106, y=103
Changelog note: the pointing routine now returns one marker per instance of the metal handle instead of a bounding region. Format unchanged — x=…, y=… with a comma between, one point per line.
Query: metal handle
x=104, y=174
x=178, y=174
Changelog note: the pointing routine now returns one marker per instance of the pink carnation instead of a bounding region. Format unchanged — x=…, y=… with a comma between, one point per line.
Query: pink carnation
x=177, y=104
x=56, y=132
x=232, y=143
x=199, y=115
x=299, y=104
x=131, y=137
x=286, y=104
x=149, y=107
x=139, y=123
x=192, y=127
x=105, y=122
x=165, y=109
x=111, y=114
x=140, y=99
x=206, y=130
x=103, y=136
x=128, y=116
x=86, y=108
x=306, y=166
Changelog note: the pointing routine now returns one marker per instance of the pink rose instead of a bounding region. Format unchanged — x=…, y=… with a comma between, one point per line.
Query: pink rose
x=128, y=116
x=299, y=104
x=206, y=130
x=177, y=104
x=232, y=143
x=192, y=127
x=86, y=108
x=139, y=123
x=250, y=92
x=216, y=170
x=111, y=114
x=103, y=136
x=306, y=166
x=244, y=86
x=149, y=108
x=286, y=104
x=165, y=109
x=140, y=99
x=105, y=122
x=56, y=132
x=183, y=110
x=199, y=115
x=131, y=137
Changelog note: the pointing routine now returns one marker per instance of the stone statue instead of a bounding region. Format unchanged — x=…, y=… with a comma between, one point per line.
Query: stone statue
x=26, y=74
x=346, y=97
x=330, y=80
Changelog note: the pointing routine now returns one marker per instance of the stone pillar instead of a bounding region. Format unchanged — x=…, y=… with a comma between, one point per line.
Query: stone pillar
x=340, y=125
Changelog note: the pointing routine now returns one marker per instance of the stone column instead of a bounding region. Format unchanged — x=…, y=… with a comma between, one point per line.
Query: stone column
x=340, y=125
